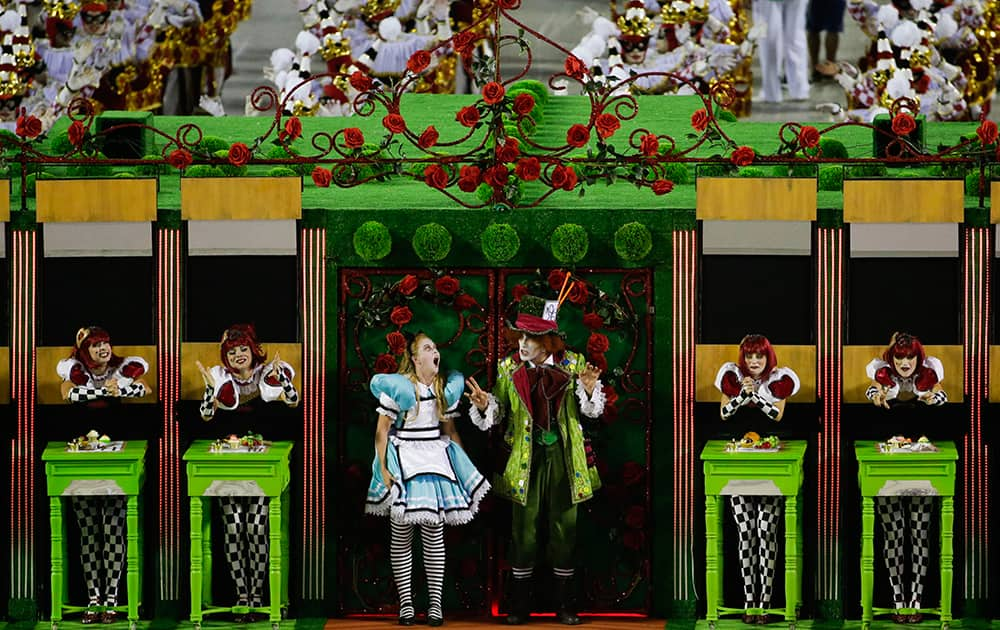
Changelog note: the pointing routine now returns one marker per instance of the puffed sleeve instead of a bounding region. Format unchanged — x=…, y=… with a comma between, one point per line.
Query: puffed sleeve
x=931, y=373
x=226, y=393
x=271, y=386
x=394, y=393
x=73, y=371
x=781, y=384
x=454, y=387
x=133, y=367
x=728, y=379
x=878, y=371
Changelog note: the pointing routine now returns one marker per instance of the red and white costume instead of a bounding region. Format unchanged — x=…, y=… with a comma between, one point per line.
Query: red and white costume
x=780, y=384
x=231, y=392
x=918, y=385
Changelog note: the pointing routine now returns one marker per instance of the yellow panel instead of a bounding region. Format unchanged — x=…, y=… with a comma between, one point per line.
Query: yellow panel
x=4, y=200
x=710, y=357
x=83, y=200
x=756, y=199
x=49, y=382
x=994, y=373
x=904, y=201
x=4, y=376
x=857, y=357
x=236, y=198
x=192, y=385
x=994, y=202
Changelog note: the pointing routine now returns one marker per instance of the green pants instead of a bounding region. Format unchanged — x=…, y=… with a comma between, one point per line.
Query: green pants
x=549, y=492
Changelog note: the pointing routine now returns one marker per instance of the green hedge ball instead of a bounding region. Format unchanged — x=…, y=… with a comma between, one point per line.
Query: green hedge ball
x=372, y=241
x=569, y=243
x=500, y=242
x=831, y=178
x=633, y=241
x=432, y=242
x=281, y=171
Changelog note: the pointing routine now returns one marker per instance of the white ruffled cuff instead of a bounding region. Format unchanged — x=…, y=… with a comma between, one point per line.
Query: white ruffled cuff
x=594, y=406
x=488, y=419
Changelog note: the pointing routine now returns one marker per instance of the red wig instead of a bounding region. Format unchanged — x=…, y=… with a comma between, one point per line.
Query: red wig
x=901, y=346
x=757, y=344
x=241, y=335
x=91, y=336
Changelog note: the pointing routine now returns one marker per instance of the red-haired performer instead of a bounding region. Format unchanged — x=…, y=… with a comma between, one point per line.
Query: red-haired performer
x=756, y=382
x=245, y=378
x=96, y=377
x=905, y=374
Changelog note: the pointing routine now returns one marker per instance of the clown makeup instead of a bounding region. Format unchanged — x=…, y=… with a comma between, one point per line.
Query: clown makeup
x=756, y=363
x=905, y=366
x=426, y=358
x=239, y=358
x=530, y=349
x=100, y=353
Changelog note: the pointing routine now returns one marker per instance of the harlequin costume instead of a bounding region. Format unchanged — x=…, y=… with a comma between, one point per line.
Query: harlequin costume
x=101, y=518
x=756, y=517
x=548, y=468
x=246, y=518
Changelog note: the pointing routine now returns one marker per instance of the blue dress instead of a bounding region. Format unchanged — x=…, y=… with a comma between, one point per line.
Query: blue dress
x=435, y=480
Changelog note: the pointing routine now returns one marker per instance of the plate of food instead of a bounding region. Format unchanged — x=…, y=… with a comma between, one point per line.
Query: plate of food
x=249, y=443
x=903, y=444
x=94, y=442
x=752, y=442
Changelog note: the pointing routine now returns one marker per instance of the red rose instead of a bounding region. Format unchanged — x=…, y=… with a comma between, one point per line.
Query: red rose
x=360, y=81
x=385, y=364
x=519, y=291
x=743, y=156
x=464, y=302
x=662, y=186
x=496, y=176
x=578, y=294
x=239, y=154
x=903, y=124
x=523, y=104
x=574, y=67
x=293, y=128
x=808, y=137
x=435, y=177
x=354, y=138
x=601, y=363
x=577, y=136
x=987, y=132
x=400, y=315
x=428, y=138
x=29, y=127
x=607, y=125
x=418, y=61
x=178, y=158
x=462, y=42
x=468, y=116
x=610, y=395
x=396, y=341
x=394, y=123
x=650, y=145
x=509, y=151
x=699, y=120
x=493, y=93
x=563, y=177
x=556, y=279
x=528, y=169
x=597, y=343
x=593, y=321
x=322, y=177
x=632, y=472
x=446, y=285
x=634, y=539
x=635, y=517
x=76, y=133
x=408, y=284
x=509, y=5
x=469, y=178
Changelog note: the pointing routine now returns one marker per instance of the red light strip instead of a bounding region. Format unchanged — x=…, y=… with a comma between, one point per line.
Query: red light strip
x=684, y=283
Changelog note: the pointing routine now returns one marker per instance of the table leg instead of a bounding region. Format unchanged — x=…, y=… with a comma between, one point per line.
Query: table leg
x=947, y=556
x=791, y=556
x=56, y=551
x=276, y=566
x=712, y=576
x=799, y=554
x=206, y=549
x=196, y=559
x=867, y=558
x=132, y=556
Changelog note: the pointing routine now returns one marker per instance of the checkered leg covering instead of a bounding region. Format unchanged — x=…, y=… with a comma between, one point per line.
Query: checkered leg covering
x=401, y=554
x=768, y=516
x=114, y=547
x=921, y=509
x=744, y=512
x=257, y=539
x=432, y=537
x=232, y=517
x=88, y=516
x=81, y=393
x=890, y=511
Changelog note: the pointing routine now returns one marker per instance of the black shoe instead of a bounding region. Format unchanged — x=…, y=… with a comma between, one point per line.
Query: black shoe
x=408, y=620
x=766, y=618
x=566, y=602
x=109, y=616
x=520, y=602
x=749, y=619
x=90, y=616
x=434, y=622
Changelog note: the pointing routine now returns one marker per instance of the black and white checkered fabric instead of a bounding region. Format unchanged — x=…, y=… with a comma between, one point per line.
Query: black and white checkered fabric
x=133, y=390
x=734, y=404
x=894, y=512
x=246, y=545
x=757, y=520
x=291, y=396
x=207, y=407
x=769, y=410
x=82, y=393
x=102, y=546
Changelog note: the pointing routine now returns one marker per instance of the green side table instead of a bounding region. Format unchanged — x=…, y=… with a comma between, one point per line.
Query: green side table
x=905, y=474
x=752, y=474
x=212, y=474
x=73, y=474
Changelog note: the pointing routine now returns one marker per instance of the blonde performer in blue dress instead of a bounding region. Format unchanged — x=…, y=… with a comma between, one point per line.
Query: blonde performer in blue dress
x=421, y=475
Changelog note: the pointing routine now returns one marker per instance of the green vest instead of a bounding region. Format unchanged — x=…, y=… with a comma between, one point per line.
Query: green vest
x=518, y=435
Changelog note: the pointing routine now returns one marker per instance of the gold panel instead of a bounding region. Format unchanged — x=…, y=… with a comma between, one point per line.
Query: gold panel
x=710, y=357
x=83, y=200
x=756, y=199
x=49, y=383
x=857, y=357
x=994, y=202
x=4, y=200
x=192, y=385
x=4, y=375
x=904, y=201
x=994, y=373
x=240, y=198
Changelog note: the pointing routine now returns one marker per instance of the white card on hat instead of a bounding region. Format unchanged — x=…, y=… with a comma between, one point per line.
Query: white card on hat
x=550, y=310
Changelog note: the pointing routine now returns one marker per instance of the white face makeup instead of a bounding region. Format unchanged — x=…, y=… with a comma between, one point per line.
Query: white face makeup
x=531, y=349
x=239, y=358
x=905, y=366
x=100, y=353
x=755, y=363
x=426, y=358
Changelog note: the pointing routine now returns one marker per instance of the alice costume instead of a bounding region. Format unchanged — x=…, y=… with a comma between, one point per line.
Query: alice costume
x=435, y=482
x=102, y=518
x=899, y=513
x=246, y=517
x=756, y=517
